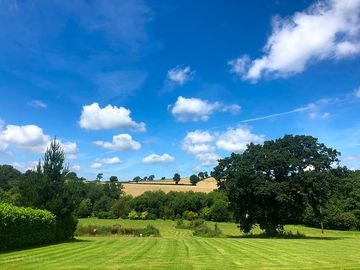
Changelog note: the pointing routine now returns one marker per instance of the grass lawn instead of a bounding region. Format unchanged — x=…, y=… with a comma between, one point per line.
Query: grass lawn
x=178, y=249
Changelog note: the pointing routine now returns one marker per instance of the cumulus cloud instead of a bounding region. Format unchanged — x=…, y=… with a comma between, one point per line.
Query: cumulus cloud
x=94, y=117
x=96, y=165
x=37, y=104
x=237, y=139
x=112, y=160
x=155, y=158
x=203, y=144
x=120, y=142
x=71, y=150
x=326, y=30
x=28, y=138
x=195, y=109
x=180, y=75
x=31, y=138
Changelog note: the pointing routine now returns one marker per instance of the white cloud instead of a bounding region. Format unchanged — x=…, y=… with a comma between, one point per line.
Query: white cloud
x=179, y=75
x=28, y=138
x=71, y=150
x=326, y=30
x=110, y=117
x=208, y=159
x=37, y=104
x=195, y=109
x=119, y=143
x=317, y=115
x=198, y=137
x=96, y=165
x=155, y=158
x=203, y=144
x=236, y=140
x=357, y=93
x=112, y=160
x=75, y=168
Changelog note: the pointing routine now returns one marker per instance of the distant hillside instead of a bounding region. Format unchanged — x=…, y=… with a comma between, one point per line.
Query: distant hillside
x=136, y=189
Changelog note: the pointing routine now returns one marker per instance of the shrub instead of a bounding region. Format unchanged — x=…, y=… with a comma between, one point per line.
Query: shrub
x=205, y=231
x=189, y=215
x=133, y=215
x=144, y=215
x=106, y=215
x=21, y=227
x=117, y=229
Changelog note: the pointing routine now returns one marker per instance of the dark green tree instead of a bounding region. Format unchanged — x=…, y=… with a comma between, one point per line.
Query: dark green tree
x=272, y=183
x=137, y=179
x=177, y=178
x=201, y=175
x=113, y=179
x=194, y=179
x=99, y=176
x=151, y=177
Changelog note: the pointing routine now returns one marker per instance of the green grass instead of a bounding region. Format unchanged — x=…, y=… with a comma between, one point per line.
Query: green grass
x=178, y=249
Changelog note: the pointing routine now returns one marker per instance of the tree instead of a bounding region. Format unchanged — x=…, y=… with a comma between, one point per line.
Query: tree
x=137, y=179
x=206, y=175
x=201, y=175
x=272, y=183
x=194, y=179
x=52, y=195
x=99, y=176
x=163, y=178
x=176, y=178
x=8, y=175
x=84, y=209
x=151, y=177
x=113, y=179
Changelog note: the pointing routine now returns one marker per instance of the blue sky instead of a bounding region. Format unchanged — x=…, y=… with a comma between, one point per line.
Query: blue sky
x=138, y=87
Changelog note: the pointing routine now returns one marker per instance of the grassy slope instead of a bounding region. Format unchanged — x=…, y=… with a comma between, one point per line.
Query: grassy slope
x=178, y=249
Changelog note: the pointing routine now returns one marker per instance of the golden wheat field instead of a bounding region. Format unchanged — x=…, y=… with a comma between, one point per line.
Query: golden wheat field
x=136, y=189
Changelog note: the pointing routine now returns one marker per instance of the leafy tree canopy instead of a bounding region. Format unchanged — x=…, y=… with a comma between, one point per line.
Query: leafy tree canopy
x=271, y=184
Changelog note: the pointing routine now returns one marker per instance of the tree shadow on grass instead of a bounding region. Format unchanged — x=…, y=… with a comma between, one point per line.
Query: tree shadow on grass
x=44, y=245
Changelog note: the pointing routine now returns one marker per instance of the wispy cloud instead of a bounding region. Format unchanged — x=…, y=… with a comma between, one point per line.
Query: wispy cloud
x=297, y=110
x=37, y=104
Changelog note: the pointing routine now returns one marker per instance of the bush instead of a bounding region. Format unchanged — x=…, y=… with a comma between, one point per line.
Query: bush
x=117, y=229
x=205, y=231
x=106, y=215
x=22, y=227
x=133, y=215
x=189, y=215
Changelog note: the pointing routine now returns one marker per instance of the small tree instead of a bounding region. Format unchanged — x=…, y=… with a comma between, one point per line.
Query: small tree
x=84, y=209
x=176, y=178
x=137, y=179
x=151, y=177
x=99, y=176
x=113, y=179
x=206, y=175
x=194, y=179
x=133, y=215
x=201, y=175
x=163, y=178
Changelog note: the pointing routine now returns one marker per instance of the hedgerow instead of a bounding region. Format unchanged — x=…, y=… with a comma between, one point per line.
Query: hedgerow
x=22, y=227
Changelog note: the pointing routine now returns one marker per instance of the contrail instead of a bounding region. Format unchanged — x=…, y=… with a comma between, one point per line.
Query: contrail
x=276, y=115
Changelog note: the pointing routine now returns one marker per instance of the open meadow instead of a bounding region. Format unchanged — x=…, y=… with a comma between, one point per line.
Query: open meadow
x=136, y=189
x=179, y=249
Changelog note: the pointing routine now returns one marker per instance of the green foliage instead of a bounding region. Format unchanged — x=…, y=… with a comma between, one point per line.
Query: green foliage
x=105, y=215
x=8, y=176
x=190, y=215
x=133, y=215
x=205, y=231
x=84, y=208
x=117, y=229
x=113, y=179
x=271, y=184
x=121, y=207
x=22, y=227
x=219, y=211
x=194, y=179
x=144, y=215
x=177, y=178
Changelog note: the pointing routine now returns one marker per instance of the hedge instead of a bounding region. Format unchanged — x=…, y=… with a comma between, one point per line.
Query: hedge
x=22, y=227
